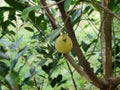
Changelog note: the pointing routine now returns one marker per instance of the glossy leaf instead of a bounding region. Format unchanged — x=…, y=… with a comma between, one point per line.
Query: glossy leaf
x=15, y=60
x=4, y=56
x=67, y=4
x=59, y=78
x=26, y=79
x=1, y=16
x=46, y=69
x=29, y=29
x=76, y=16
x=85, y=46
x=32, y=70
x=16, y=4
x=6, y=8
x=27, y=10
x=5, y=25
x=3, y=69
x=13, y=80
x=16, y=44
x=56, y=80
x=4, y=42
x=62, y=82
x=53, y=35
x=42, y=62
x=11, y=15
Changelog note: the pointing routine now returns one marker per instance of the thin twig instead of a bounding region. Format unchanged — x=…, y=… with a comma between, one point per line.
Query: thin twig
x=84, y=63
x=31, y=2
x=68, y=15
x=35, y=82
x=75, y=86
x=97, y=40
x=49, y=14
x=76, y=66
x=47, y=6
x=106, y=9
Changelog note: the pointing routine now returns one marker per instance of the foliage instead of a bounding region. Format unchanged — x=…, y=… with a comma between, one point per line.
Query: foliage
x=28, y=59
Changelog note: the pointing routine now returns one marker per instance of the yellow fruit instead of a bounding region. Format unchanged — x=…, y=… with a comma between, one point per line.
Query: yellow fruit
x=63, y=43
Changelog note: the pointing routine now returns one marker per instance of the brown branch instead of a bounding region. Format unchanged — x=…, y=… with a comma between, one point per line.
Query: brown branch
x=72, y=76
x=49, y=14
x=116, y=80
x=76, y=66
x=69, y=58
x=104, y=8
x=77, y=49
x=106, y=42
x=47, y=6
x=35, y=82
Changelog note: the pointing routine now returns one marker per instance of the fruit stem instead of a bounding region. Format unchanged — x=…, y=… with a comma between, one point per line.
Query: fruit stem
x=63, y=30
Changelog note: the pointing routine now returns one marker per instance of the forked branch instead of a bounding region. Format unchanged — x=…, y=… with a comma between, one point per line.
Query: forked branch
x=81, y=57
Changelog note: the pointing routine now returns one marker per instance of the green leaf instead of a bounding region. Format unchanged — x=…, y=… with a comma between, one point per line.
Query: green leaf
x=67, y=4
x=4, y=56
x=87, y=9
x=46, y=69
x=76, y=16
x=14, y=62
x=99, y=70
x=42, y=62
x=16, y=44
x=32, y=17
x=85, y=46
x=26, y=79
x=16, y=4
x=53, y=82
x=1, y=16
x=3, y=69
x=41, y=22
x=29, y=29
x=32, y=70
x=6, y=8
x=5, y=24
x=56, y=80
x=4, y=43
x=35, y=1
x=53, y=35
x=41, y=51
x=11, y=15
x=59, y=78
x=13, y=80
x=27, y=10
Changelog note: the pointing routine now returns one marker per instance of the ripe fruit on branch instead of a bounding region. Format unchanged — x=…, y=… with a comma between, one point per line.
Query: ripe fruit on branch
x=63, y=43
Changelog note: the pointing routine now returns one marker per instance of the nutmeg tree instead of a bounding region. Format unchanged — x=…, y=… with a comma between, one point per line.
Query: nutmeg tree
x=109, y=81
x=48, y=19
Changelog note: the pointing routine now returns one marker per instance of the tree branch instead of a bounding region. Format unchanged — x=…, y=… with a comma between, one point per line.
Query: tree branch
x=49, y=14
x=106, y=42
x=116, y=80
x=72, y=76
x=76, y=66
x=105, y=9
x=77, y=49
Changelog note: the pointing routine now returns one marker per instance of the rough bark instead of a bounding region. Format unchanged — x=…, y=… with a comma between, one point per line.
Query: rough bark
x=49, y=14
x=97, y=82
x=106, y=46
x=106, y=42
x=109, y=82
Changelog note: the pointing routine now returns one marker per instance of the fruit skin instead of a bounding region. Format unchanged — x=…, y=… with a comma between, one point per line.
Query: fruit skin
x=63, y=43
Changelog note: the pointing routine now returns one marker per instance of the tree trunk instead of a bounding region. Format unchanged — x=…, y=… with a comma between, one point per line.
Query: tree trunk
x=108, y=82
x=109, y=88
x=106, y=41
